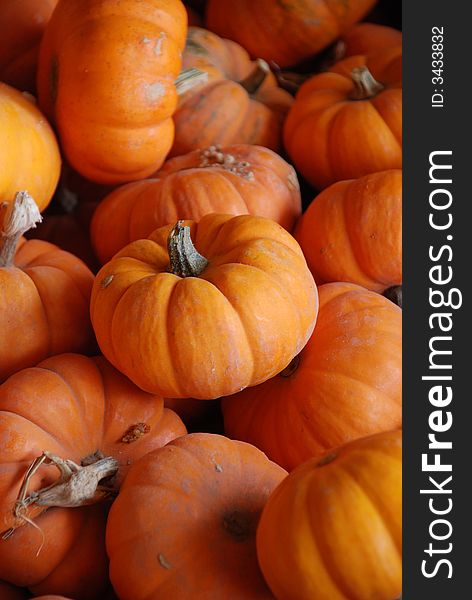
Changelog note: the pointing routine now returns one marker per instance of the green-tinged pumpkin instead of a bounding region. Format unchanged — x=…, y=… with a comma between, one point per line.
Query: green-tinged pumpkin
x=345, y=384
x=205, y=309
x=332, y=530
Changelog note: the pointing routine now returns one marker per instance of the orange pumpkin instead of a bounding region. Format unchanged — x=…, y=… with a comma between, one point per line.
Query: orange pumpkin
x=345, y=384
x=285, y=32
x=352, y=232
x=333, y=528
x=207, y=320
x=82, y=410
x=347, y=123
x=29, y=153
x=368, y=38
x=45, y=294
x=234, y=180
x=238, y=101
x=114, y=119
x=22, y=23
x=184, y=523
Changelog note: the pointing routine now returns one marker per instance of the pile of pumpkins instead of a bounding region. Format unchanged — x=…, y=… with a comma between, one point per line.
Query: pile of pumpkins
x=200, y=339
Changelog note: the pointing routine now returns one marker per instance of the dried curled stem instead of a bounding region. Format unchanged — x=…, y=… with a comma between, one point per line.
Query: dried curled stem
x=78, y=485
x=20, y=216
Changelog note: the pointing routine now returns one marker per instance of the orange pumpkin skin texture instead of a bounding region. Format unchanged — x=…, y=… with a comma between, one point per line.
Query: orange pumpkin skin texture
x=285, y=32
x=29, y=153
x=193, y=185
x=331, y=136
x=239, y=102
x=332, y=529
x=345, y=384
x=352, y=232
x=238, y=323
x=201, y=489
x=72, y=406
x=45, y=304
x=22, y=23
x=366, y=38
x=114, y=119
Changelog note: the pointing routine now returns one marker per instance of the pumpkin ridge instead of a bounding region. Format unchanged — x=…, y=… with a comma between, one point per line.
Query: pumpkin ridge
x=51, y=345
x=325, y=555
x=37, y=425
x=171, y=349
x=243, y=326
x=367, y=492
x=74, y=395
x=374, y=104
x=351, y=240
x=273, y=279
x=350, y=198
x=344, y=107
x=110, y=337
x=102, y=427
x=48, y=341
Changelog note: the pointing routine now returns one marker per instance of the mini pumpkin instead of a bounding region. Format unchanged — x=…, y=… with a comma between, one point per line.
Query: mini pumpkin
x=232, y=99
x=209, y=319
x=113, y=119
x=236, y=180
x=45, y=294
x=347, y=122
x=22, y=23
x=284, y=32
x=345, y=384
x=79, y=418
x=184, y=523
x=333, y=527
x=352, y=232
x=29, y=153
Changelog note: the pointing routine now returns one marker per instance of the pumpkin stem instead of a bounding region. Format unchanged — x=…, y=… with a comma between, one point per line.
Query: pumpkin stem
x=78, y=485
x=365, y=86
x=185, y=261
x=188, y=79
x=255, y=79
x=20, y=216
x=394, y=294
